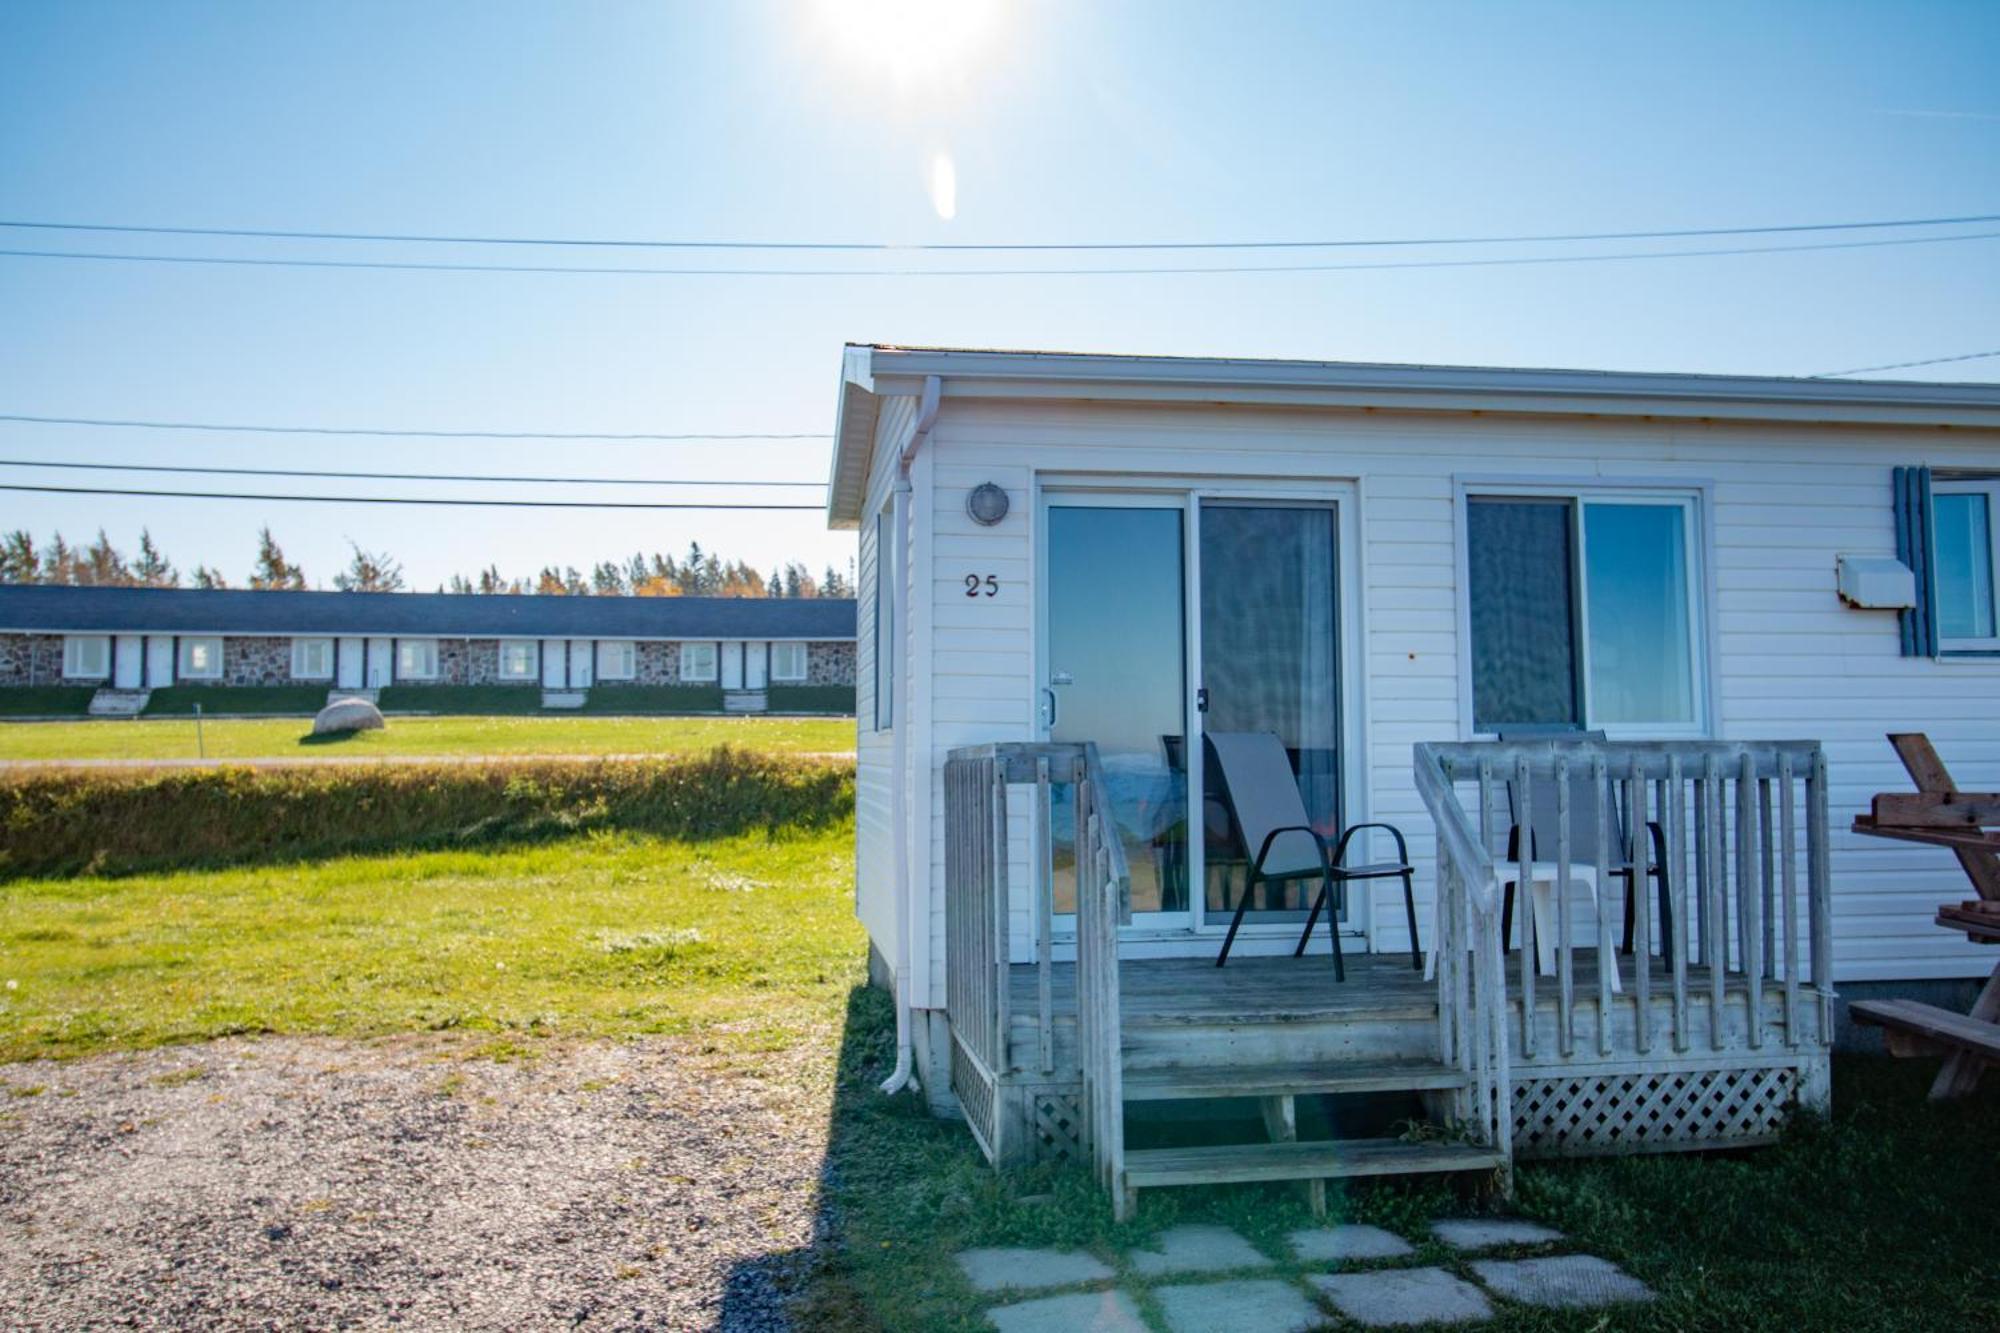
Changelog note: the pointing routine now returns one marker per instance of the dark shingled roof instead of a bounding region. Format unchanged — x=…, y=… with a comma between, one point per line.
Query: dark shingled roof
x=421, y=614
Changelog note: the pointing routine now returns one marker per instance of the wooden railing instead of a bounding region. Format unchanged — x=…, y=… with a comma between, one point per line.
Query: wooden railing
x=1731, y=836
x=978, y=918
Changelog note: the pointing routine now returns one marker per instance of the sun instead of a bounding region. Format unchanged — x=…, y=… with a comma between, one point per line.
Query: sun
x=909, y=41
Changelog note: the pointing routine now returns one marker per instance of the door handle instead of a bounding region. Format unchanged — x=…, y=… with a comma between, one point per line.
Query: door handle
x=1048, y=708
x=1201, y=699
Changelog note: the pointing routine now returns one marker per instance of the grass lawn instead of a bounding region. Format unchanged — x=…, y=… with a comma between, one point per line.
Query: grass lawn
x=251, y=738
x=749, y=938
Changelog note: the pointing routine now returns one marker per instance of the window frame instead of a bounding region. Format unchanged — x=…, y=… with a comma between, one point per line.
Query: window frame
x=72, y=643
x=1990, y=488
x=534, y=662
x=182, y=668
x=627, y=649
x=403, y=671
x=805, y=661
x=1697, y=499
x=303, y=641
x=714, y=662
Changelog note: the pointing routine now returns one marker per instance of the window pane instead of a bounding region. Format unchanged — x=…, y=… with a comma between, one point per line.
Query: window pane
x=1519, y=565
x=1635, y=595
x=1964, y=538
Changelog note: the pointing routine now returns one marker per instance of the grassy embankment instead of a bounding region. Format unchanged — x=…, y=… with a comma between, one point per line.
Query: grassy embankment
x=259, y=738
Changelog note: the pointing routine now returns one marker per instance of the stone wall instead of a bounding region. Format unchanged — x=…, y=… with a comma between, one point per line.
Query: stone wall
x=251, y=660
x=656, y=664
x=31, y=659
x=830, y=663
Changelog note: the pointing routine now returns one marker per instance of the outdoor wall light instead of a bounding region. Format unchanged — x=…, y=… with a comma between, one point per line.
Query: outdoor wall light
x=986, y=504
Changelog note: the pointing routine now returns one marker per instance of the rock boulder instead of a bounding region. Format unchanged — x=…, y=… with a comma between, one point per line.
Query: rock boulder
x=345, y=715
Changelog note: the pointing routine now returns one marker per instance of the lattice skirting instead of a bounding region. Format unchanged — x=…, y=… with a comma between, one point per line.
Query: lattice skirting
x=978, y=1096
x=1056, y=1129
x=1580, y=1112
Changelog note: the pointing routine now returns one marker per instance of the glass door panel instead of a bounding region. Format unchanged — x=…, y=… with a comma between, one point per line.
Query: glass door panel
x=1270, y=661
x=1116, y=664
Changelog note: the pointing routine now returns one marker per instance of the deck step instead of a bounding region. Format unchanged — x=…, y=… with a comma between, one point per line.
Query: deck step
x=1324, y=1159
x=1277, y=1080
x=110, y=702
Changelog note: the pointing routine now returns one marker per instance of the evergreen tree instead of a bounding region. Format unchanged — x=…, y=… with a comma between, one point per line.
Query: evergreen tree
x=460, y=585
x=273, y=572
x=19, y=561
x=368, y=571
x=204, y=577
x=59, y=562
x=151, y=569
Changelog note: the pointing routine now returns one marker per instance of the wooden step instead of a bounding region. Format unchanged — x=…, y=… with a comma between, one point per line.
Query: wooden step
x=1324, y=1159
x=1932, y=1023
x=1277, y=1080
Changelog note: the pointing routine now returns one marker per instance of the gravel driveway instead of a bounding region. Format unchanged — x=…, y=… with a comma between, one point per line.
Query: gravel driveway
x=258, y=1183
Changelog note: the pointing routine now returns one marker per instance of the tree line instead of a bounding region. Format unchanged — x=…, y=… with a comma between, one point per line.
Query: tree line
x=699, y=573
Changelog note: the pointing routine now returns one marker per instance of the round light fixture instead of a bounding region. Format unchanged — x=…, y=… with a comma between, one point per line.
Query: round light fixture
x=986, y=504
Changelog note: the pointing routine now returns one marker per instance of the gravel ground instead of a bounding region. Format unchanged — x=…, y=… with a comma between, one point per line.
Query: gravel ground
x=308, y=1183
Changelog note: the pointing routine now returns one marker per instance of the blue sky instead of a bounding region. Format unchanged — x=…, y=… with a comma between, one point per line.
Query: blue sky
x=773, y=121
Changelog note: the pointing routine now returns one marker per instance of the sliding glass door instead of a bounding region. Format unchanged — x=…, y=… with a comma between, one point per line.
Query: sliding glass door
x=1270, y=662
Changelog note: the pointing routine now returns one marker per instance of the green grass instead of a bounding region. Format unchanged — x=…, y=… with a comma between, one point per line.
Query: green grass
x=478, y=700
x=1882, y=1217
x=747, y=941
x=637, y=699
x=45, y=700
x=266, y=738
x=179, y=700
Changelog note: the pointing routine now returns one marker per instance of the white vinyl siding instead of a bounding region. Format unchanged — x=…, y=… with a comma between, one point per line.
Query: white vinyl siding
x=312, y=659
x=86, y=656
x=201, y=658
x=617, y=659
x=788, y=661
x=1777, y=504
x=416, y=659
x=698, y=662
x=518, y=659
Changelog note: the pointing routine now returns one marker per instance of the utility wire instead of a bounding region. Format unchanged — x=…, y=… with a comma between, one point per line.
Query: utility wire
x=1906, y=365
x=891, y=247
x=401, y=500
x=1073, y=272
x=400, y=476
x=426, y=434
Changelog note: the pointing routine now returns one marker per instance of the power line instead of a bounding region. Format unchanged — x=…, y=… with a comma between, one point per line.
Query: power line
x=1906, y=365
x=1073, y=272
x=891, y=247
x=402, y=500
x=424, y=434
x=400, y=476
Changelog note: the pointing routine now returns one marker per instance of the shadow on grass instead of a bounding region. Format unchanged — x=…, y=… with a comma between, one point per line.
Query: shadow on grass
x=1879, y=1217
x=324, y=738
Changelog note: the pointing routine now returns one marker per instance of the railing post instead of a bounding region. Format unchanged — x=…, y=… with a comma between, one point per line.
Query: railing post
x=1715, y=929
x=1677, y=894
x=1642, y=914
x=1749, y=893
x=1607, y=952
x=1524, y=898
x=1045, y=928
x=996, y=855
x=1817, y=875
x=1788, y=869
x=1565, y=972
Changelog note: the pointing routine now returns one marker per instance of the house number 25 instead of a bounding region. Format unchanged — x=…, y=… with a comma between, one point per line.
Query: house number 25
x=975, y=585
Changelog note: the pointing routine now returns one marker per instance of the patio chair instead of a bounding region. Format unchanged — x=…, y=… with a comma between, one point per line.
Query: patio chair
x=1585, y=855
x=1262, y=797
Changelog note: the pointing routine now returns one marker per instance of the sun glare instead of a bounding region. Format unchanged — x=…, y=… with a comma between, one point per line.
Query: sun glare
x=944, y=186
x=908, y=40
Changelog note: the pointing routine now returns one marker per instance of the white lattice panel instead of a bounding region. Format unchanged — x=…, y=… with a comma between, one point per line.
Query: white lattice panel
x=976, y=1095
x=1579, y=1113
x=1058, y=1127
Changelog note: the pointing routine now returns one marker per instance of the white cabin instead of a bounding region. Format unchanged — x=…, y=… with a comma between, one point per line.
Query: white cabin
x=1133, y=552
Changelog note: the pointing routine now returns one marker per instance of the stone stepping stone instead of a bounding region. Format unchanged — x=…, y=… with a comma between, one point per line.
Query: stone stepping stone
x=1197, y=1249
x=1388, y=1297
x=1318, y=1245
x=1264, y=1304
x=1564, y=1282
x=1484, y=1233
x=1031, y=1270
x=1085, y=1312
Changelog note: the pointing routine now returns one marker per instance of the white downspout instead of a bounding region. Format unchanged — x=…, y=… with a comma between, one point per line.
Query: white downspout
x=906, y=914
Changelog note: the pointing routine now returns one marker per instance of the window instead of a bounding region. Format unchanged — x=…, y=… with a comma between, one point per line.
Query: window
x=312, y=659
x=788, y=661
x=617, y=659
x=698, y=661
x=1966, y=564
x=201, y=659
x=885, y=621
x=416, y=659
x=86, y=655
x=517, y=659
x=1581, y=611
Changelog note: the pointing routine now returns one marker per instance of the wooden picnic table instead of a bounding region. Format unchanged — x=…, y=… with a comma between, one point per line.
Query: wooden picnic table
x=1941, y=815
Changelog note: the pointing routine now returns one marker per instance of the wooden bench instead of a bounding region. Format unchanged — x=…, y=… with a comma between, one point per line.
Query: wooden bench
x=1931, y=1027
